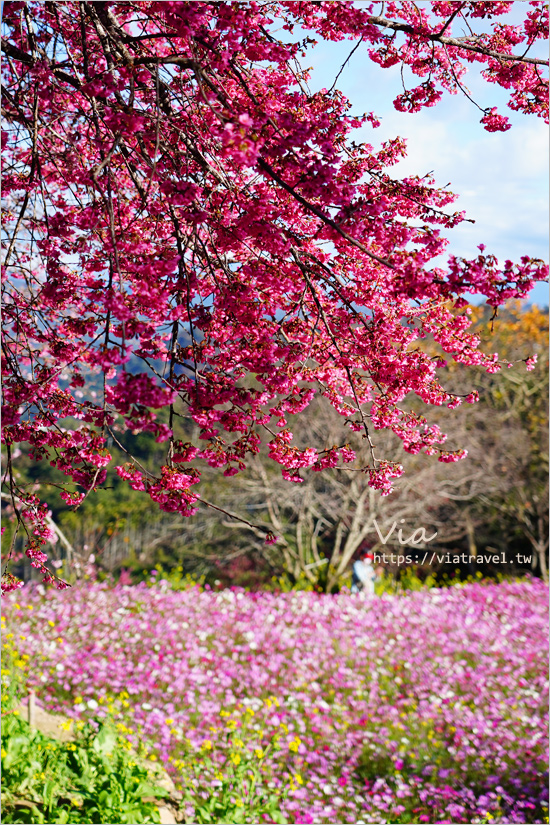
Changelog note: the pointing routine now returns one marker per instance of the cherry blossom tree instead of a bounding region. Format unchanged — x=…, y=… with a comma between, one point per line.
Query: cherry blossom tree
x=497, y=499
x=322, y=523
x=176, y=197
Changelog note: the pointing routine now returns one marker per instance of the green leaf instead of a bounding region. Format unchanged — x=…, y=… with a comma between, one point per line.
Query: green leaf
x=105, y=741
x=144, y=789
x=105, y=799
x=14, y=747
x=48, y=792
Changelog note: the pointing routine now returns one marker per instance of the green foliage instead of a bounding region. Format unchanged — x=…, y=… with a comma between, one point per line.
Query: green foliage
x=92, y=779
x=241, y=796
x=286, y=583
x=408, y=580
x=240, y=793
x=176, y=578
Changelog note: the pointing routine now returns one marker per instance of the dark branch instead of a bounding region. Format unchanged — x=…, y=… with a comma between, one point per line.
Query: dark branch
x=458, y=42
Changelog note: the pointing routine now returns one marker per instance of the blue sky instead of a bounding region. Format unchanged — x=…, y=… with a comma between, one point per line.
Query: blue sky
x=501, y=177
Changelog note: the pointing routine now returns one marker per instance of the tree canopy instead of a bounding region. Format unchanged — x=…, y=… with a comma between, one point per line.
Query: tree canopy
x=192, y=236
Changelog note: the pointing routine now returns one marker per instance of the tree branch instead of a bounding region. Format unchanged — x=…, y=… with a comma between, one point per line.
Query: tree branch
x=458, y=42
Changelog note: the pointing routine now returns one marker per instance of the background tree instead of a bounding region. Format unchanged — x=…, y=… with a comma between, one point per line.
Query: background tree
x=491, y=502
x=175, y=195
x=322, y=523
x=512, y=432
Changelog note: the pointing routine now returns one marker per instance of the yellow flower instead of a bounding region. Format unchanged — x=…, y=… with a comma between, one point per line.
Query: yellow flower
x=224, y=713
x=206, y=745
x=250, y=711
x=3, y=753
x=168, y=721
x=66, y=725
x=51, y=624
x=236, y=758
x=77, y=700
x=294, y=745
x=153, y=758
x=259, y=753
x=298, y=779
x=238, y=743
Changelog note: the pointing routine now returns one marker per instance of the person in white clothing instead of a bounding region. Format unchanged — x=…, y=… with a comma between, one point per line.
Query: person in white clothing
x=363, y=575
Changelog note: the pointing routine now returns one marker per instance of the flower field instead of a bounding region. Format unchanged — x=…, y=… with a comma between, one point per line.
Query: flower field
x=424, y=707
